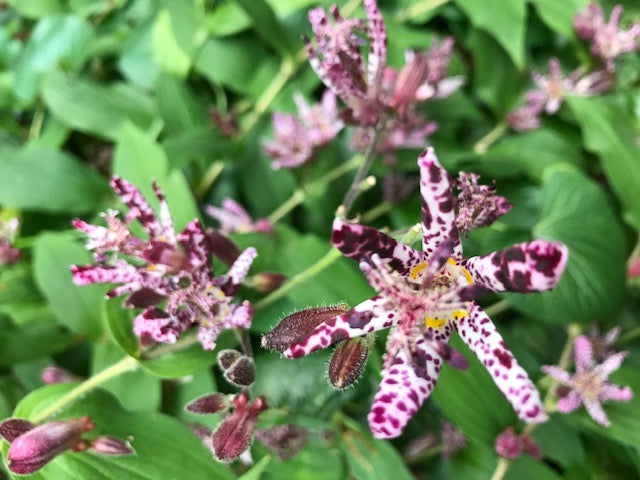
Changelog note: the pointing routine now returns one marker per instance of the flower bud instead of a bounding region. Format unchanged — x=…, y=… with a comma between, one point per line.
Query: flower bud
x=283, y=440
x=508, y=444
x=32, y=450
x=14, y=427
x=347, y=362
x=211, y=403
x=267, y=282
x=227, y=357
x=298, y=326
x=53, y=374
x=106, y=445
x=222, y=247
x=242, y=373
x=530, y=446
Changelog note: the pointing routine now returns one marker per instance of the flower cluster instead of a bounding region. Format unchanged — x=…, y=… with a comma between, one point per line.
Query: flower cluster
x=423, y=296
x=169, y=267
x=297, y=137
x=589, y=385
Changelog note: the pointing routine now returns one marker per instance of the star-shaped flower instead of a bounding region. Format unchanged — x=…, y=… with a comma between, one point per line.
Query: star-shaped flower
x=423, y=296
x=590, y=385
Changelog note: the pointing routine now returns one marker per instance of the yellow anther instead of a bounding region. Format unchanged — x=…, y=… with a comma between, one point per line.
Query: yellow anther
x=458, y=314
x=467, y=275
x=432, y=322
x=417, y=269
x=451, y=261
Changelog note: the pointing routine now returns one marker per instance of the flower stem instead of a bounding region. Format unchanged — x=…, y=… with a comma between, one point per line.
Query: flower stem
x=324, y=262
x=501, y=469
x=419, y=8
x=36, y=123
x=497, y=308
x=490, y=138
x=376, y=212
x=630, y=335
x=127, y=364
x=300, y=194
x=363, y=170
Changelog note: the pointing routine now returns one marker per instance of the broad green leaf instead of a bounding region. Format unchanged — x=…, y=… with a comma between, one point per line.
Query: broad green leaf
x=577, y=212
x=227, y=18
x=506, y=24
x=77, y=307
x=139, y=159
x=32, y=341
x=179, y=107
x=165, y=448
x=84, y=8
x=94, y=108
x=317, y=461
x=136, y=60
x=267, y=25
x=48, y=180
x=560, y=442
x=56, y=40
x=176, y=364
x=120, y=323
x=476, y=461
x=471, y=400
x=166, y=51
x=256, y=470
x=528, y=468
x=36, y=8
x=608, y=132
x=559, y=15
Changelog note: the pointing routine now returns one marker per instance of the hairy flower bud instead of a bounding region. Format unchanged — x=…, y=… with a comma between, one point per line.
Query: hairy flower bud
x=298, y=326
x=53, y=374
x=35, y=448
x=284, y=440
x=211, y=403
x=227, y=357
x=107, y=445
x=242, y=373
x=14, y=427
x=347, y=362
x=508, y=445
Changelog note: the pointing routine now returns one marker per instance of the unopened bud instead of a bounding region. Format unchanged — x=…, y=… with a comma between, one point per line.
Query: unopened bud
x=242, y=373
x=347, y=362
x=234, y=434
x=211, y=403
x=530, y=446
x=284, y=440
x=32, y=450
x=228, y=357
x=14, y=427
x=298, y=326
x=226, y=123
x=267, y=282
x=106, y=445
x=53, y=374
x=508, y=444
x=223, y=247
x=633, y=267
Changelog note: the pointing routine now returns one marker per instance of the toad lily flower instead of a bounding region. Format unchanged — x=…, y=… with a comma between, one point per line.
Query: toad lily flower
x=423, y=296
x=175, y=268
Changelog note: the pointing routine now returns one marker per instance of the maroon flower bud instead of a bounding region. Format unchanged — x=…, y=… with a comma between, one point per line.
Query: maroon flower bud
x=35, y=448
x=225, y=122
x=242, y=373
x=347, y=362
x=234, y=434
x=508, y=444
x=106, y=445
x=284, y=440
x=14, y=427
x=298, y=326
x=223, y=247
x=530, y=446
x=227, y=357
x=211, y=403
x=267, y=282
x=53, y=374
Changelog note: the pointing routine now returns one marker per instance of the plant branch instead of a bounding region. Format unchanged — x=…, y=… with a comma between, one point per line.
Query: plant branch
x=490, y=138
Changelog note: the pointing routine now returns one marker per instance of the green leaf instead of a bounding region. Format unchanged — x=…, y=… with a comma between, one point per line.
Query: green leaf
x=120, y=323
x=227, y=18
x=256, y=470
x=179, y=107
x=176, y=364
x=56, y=40
x=140, y=160
x=609, y=132
x=166, y=51
x=77, y=307
x=506, y=23
x=577, y=212
x=528, y=468
x=136, y=61
x=32, y=341
x=47, y=180
x=560, y=442
x=559, y=15
x=165, y=448
x=94, y=108
x=267, y=25
x=317, y=461
x=35, y=8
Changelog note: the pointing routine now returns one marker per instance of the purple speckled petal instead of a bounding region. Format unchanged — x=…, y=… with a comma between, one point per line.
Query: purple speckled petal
x=157, y=325
x=615, y=393
x=583, y=353
x=610, y=365
x=557, y=373
x=138, y=206
x=480, y=334
x=438, y=215
x=358, y=241
x=371, y=315
x=569, y=402
x=197, y=245
x=405, y=385
x=240, y=267
x=167, y=231
x=121, y=272
x=377, y=33
x=239, y=317
x=595, y=410
x=526, y=267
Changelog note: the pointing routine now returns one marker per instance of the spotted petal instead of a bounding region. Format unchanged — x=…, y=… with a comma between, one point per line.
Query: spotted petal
x=371, y=315
x=480, y=334
x=377, y=33
x=524, y=267
x=358, y=241
x=138, y=206
x=438, y=215
x=406, y=383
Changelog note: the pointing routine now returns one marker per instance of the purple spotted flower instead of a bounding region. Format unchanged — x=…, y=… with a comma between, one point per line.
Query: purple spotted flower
x=423, y=296
x=608, y=41
x=589, y=384
x=233, y=218
x=8, y=230
x=167, y=268
x=298, y=137
x=477, y=205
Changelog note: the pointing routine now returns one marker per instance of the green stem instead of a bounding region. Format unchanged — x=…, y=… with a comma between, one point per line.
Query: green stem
x=36, y=124
x=490, y=138
x=127, y=364
x=497, y=308
x=300, y=194
x=208, y=179
x=376, y=212
x=630, y=335
x=161, y=350
x=420, y=8
x=324, y=262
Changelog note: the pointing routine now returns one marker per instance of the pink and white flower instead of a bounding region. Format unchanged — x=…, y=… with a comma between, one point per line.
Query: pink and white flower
x=233, y=218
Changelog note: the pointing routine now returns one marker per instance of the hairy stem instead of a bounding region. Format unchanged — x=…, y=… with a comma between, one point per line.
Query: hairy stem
x=127, y=364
